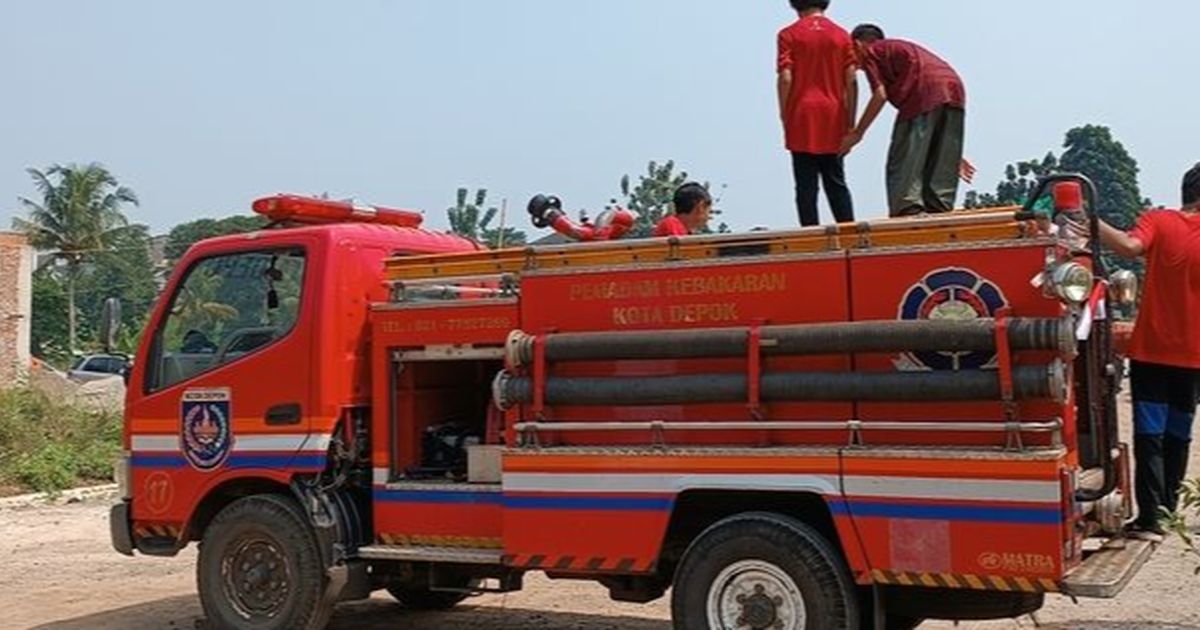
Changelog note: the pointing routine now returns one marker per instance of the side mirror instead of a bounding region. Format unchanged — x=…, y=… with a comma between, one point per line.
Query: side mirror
x=110, y=323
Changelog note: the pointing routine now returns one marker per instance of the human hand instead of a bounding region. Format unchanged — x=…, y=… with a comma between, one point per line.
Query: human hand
x=966, y=171
x=850, y=141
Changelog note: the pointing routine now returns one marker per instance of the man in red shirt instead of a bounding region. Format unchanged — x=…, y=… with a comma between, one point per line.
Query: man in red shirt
x=1165, y=350
x=818, y=97
x=693, y=205
x=927, y=144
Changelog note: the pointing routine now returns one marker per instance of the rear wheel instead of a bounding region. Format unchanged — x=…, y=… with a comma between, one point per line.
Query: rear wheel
x=762, y=572
x=260, y=568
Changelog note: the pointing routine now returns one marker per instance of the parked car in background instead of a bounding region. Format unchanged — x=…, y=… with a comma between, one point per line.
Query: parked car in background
x=94, y=367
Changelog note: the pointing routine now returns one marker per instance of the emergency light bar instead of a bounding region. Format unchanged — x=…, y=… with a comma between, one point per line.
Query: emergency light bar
x=312, y=211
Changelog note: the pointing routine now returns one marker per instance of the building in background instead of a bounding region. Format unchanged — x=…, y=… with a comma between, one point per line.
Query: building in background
x=16, y=304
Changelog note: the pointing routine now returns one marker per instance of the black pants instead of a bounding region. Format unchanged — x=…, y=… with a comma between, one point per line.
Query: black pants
x=1164, y=407
x=807, y=167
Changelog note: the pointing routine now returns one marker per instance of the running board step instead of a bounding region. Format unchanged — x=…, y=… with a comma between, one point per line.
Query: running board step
x=1106, y=572
x=448, y=555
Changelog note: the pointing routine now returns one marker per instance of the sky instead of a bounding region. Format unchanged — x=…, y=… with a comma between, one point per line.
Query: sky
x=202, y=107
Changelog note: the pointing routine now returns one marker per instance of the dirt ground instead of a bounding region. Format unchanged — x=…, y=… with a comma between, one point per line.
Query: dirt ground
x=58, y=572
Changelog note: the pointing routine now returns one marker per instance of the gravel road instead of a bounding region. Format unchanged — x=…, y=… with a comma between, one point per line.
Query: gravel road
x=58, y=572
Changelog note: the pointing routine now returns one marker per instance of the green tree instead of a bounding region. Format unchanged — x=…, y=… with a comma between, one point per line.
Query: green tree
x=79, y=216
x=653, y=195
x=201, y=305
x=185, y=235
x=126, y=272
x=1019, y=182
x=1093, y=151
x=469, y=219
x=48, y=328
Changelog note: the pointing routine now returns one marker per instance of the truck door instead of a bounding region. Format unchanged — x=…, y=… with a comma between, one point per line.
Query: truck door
x=224, y=382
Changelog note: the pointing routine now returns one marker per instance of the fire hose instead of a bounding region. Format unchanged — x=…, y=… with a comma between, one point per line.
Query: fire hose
x=806, y=339
x=1045, y=382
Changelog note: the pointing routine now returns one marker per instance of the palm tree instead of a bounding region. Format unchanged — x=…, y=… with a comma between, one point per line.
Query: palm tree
x=79, y=215
x=471, y=220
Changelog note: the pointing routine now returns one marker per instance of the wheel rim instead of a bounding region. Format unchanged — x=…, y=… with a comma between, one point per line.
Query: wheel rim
x=256, y=577
x=755, y=595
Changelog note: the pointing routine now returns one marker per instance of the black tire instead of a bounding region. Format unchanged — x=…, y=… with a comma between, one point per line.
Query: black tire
x=425, y=599
x=895, y=622
x=260, y=568
x=770, y=546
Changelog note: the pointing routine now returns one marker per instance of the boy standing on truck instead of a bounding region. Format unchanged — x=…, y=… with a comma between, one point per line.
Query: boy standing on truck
x=926, y=157
x=693, y=205
x=818, y=97
x=1165, y=350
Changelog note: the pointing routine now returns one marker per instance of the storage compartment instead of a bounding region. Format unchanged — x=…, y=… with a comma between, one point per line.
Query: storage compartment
x=441, y=410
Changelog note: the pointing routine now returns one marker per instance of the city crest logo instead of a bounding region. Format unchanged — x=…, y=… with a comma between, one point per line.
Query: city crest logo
x=953, y=293
x=207, y=434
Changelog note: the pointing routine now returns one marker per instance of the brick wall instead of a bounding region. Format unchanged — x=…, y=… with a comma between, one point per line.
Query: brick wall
x=16, y=301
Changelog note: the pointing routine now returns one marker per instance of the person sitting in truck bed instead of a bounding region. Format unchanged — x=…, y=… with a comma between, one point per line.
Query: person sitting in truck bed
x=692, y=207
x=1165, y=351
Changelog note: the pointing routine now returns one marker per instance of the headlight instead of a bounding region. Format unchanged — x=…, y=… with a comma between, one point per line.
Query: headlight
x=1123, y=287
x=1072, y=282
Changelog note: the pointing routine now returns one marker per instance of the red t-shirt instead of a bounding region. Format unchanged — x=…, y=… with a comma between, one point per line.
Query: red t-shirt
x=1167, y=332
x=818, y=52
x=670, y=226
x=917, y=81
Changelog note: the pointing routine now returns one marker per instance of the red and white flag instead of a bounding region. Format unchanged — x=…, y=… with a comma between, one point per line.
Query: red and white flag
x=1096, y=310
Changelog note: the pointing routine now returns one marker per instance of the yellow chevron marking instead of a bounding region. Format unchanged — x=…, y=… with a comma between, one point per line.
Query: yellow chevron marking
x=880, y=576
x=951, y=580
x=1000, y=584
x=402, y=540
x=903, y=578
x=975, y=582
x=1049, y=585
x=928, y=580
x=1025, y=585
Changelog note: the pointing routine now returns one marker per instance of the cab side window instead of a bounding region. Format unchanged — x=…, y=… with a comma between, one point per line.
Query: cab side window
x=226, y=307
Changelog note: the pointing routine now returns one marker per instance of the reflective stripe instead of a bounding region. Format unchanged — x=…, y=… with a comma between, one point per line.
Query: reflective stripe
x=954, y=489
x=380, y=476
x=304, y=442
x=873, y=487
x=664, y=483
x=155, y=443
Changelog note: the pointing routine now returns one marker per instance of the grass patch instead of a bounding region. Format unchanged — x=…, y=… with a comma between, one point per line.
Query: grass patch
x=46, y=446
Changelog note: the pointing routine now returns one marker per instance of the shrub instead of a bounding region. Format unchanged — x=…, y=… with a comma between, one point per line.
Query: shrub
x=48, y=446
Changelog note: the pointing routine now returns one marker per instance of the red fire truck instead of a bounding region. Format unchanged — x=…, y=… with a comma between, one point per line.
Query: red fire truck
x=856, y=426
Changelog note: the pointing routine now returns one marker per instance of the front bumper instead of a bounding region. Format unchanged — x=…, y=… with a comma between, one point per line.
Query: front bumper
x=121, y=528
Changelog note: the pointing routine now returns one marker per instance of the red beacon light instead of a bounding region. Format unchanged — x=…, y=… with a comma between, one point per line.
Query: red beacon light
x=310, y=211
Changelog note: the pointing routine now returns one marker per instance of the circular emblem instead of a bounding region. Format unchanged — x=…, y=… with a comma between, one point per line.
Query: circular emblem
x=206, y=431
x=159, y=492
x=990, y=561
x=956, y=294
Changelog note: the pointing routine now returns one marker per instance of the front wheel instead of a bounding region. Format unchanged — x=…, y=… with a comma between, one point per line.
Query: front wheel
x=762, y=572
x=260, y=568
